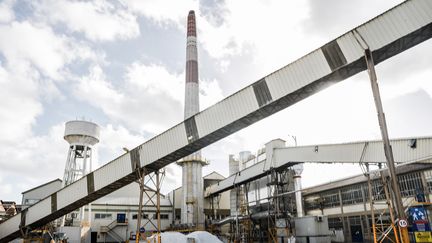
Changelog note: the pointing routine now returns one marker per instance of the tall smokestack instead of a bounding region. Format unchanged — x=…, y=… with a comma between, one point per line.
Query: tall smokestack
x=192, y=209
x=192, y=86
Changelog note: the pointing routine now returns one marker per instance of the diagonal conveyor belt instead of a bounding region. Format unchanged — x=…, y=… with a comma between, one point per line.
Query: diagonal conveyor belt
x=390, y=33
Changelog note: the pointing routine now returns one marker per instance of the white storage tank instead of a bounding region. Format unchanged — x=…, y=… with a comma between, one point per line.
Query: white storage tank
x=81, y=133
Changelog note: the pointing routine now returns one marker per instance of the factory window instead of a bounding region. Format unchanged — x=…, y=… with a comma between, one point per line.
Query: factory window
x=144, y=216
x=355, y=220
x=335, y=223
x=377, y=190
x=352, y=194
x=330, y=199
x=162, y=216
x=409, y=184
x=428, y=177
x=312, y=202
x=103, y=216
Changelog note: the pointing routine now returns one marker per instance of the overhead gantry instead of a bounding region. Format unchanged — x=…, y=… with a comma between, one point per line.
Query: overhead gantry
x=386, y=35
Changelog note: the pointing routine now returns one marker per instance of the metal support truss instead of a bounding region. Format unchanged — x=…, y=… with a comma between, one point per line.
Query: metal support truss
x=150, y=186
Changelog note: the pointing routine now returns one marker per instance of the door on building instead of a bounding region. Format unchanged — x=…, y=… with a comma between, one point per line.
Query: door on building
x=93, y=237
x=356, y=233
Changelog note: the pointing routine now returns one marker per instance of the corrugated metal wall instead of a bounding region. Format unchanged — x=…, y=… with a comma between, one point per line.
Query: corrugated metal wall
x=69, y=194
x=163, y=144
x=298, y=74
x=398, y=22
x=113, y=171
x=227, y=111
x=39, y=210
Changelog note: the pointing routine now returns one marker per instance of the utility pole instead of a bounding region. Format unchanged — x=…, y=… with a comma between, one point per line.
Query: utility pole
x=387, y=147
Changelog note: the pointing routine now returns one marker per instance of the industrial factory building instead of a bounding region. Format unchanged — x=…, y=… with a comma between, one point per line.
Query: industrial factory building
x=262, y=198
x=267, y=198
x=346, y=202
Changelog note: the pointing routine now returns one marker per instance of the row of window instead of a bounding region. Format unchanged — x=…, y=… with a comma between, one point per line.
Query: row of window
x=409, y=184
x=360, y=220
x=134, y=216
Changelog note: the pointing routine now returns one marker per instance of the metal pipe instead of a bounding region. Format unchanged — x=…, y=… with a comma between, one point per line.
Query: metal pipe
x=158, y=202
x=371, y=204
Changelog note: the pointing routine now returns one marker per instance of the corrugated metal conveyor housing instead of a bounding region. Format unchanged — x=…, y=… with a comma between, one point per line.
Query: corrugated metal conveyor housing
x=398, y=29
x=406, y=150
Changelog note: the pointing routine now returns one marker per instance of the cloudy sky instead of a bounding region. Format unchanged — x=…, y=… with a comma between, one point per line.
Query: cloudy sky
x=121, y=64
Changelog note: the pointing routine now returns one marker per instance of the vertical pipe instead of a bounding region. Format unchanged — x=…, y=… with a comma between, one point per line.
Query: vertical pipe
x=371, y=204
x=298, y=196
x=90, y=170
x=83, y=173
x=344, y=223
x=298, y=169
x=158, y=202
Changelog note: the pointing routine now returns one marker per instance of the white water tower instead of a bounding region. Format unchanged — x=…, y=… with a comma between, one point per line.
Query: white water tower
x=81, y=136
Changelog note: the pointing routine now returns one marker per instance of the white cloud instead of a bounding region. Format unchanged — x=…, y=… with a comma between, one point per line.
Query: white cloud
x=33, y=160
x=37, y=159
x=129, y=103
x=34, y=57
x=148, y=100
x=417, y=80
x=242, y=30
x=270, y=30
x=19, y=106
x=6, y=12
x=155, y=79
x=98, y=20
x=210, y=93
x=34, y=64
x=112, y=141
x=39, y=45
x=163, y=11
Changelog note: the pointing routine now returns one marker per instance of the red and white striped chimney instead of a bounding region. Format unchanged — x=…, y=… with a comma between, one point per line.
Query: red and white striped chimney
x=192, y=210
x=192, y=86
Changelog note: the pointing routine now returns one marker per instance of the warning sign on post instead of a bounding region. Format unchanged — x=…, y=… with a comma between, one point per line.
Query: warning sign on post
x=403, y=223
x=423, y=236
